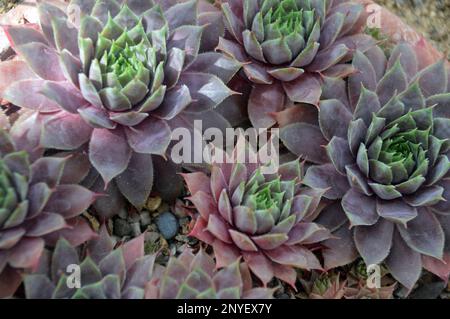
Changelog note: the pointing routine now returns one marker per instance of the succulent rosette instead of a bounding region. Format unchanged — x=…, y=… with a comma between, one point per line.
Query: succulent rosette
x=264, y=218
x=287, y=45
x=39, y=199
x=386, y=158
x=105, y=272
x=195, y=276
x=114, y=80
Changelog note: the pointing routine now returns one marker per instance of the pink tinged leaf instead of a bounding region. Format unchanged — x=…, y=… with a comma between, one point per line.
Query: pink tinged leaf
x=70, y=200
x=263, y=102
x=307, y=233
x=326, y=177
x=65, y=131
x=433, y=79
x=70, y=67
x=109, y=153
x=297, y=113
x=219, y=228
x=47, y=170
x=260, y=265
x=10, y=280
x=26, y=254
x=359, y=208
x=136, y=182
x=257, y=73
x=217, y=182
x=365, y=76
x=64, y=94
x=307, y=55
x=175, y=101
x=11, y=237
x=396, y=211
x=305, y=89
x=13, y=71
x=232, y=23
x=224, y=207
x=225, y=254
x=286, y=74
x=245, y=219
x=270, y=241
x=206, y=90
x=374, y=242
x=220, y=65
x=199, y=231
x=43, y=60
x=424, y=234
x=150, y=137
x=334, y=119
x=405, y=53
x=232, y=49
x=133, y=250
x=45, y=224
x=204, y=203
x=404, y=264
x=18, y=35
x=438, y=267
x=328, y=58
x=128, y=118
x=305, y=140
x=294, y=256
x=339, y=152
x=339, y=71
x=33, y=100
x=331, y=29
x=340, y=251
x=89, y=91
x=96, y=117
x=242, y=241
x=395, y=80
x=76, y=167
x=197, y=181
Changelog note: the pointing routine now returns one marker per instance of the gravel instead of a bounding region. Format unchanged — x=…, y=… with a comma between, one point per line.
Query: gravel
x=429, y=17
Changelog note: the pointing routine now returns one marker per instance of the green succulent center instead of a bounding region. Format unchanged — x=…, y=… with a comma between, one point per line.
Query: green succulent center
x=265, y=199
x=286, y=17
x=125, y=63
x=402, y=148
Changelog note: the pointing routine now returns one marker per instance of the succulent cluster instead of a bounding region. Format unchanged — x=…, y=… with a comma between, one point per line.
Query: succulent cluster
x=105, y=272
x=195, y=276
x=264, y=218
x=114, y=82
x=38, y=200
x=89, y=107
x=287, y=45
x=386, y=157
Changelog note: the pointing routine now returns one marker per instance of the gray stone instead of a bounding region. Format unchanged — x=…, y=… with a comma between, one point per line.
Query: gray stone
x=168, y=225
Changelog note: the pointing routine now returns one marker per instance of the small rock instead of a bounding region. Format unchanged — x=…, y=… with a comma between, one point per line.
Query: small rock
x=168, y=225
x=153, y=203
x=145, y=218
x=151, y=236
x=121, y=227
x=136, y=229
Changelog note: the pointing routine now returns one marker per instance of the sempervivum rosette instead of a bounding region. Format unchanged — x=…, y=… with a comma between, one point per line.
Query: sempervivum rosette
x=285, y=45
x=106, y=272
x=387, y=157
x=195, y=276
x=265, y=218
x=38, y=201
x=115, y=81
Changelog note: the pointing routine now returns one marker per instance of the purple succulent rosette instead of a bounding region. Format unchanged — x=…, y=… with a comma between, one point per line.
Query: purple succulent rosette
x=40, y=199
x=386, y=159
x=114, y=83
x=267, y=219
x=196, y=276
x=106, y=272
x=286, y=46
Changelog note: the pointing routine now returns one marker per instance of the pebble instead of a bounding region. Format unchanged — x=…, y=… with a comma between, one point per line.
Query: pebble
x=145, y=218
x=153, y=203
x=168, y=225
x=136, y=229
x=121, y=227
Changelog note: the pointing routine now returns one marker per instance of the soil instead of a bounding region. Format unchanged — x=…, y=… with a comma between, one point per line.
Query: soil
x=429, y=17
x=6, y=5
